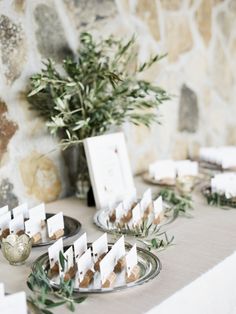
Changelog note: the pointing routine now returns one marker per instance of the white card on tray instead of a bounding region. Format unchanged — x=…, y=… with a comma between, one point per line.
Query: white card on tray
x=69, y=255
x=80, y=246
x=120, y=212
x=186, y=168
x=84, y=263
x=53, y=252
x=162, y=169
x=4, y=210
x=2, y=291
x=131, y=259
x=107, y=265
x=119, y=248
x=129, y=200
x=146, y=200
x=17, y=224
x=158, y=206
x=99, y=246
x=4, y=221
x=14, y=303
x=38, y=212
x=55, y=223
x=136, y=216
x=32, y=227
x=21, y=209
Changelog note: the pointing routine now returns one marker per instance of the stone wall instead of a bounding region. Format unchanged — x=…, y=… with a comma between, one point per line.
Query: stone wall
x=200, y=72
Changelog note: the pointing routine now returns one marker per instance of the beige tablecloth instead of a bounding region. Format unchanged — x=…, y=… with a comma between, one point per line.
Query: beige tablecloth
x=201, y=243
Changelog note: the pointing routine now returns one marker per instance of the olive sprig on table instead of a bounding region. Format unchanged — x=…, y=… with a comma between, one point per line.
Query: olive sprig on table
x=180, y=205
x=149, y=234
x=44, y=297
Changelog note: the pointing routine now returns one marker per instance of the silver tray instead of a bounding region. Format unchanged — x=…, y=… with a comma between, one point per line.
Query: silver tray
x=101, y=220
x=72, y=227
x=150, y=267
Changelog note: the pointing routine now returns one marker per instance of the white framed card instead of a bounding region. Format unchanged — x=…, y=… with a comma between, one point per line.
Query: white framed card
x=109, y=168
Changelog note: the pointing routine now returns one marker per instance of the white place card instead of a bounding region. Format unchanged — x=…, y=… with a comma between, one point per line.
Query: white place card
x=107, y=265
x=69, y=255
x=130, y=199
x=136, y=216
x=120, y=212
x=84, y=263
x=146, y=200
x=38, y=212
x=80, y=246
x=131, y=260
x=119, y=249
x=17, y=224
x=2, y=291
x=53, y=252
x=32, y=227
x=162, y=169
x=186, y=168
x=14, y=303
x=21, y=209
x=3, y=210
x=99, y=247
x=55, y=223
x=158, y=206
x=4, y=221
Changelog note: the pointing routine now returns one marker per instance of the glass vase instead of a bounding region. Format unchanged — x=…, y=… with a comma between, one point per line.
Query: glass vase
x=83, y=180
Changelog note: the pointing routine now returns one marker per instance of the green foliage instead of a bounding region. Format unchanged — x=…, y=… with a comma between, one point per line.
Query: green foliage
x=180, y=205
x=97, y=89
x=44, y=297
x=215, y=199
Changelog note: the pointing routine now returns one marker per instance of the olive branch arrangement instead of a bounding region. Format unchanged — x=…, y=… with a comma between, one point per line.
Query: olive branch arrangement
x=215, y=199
x=44, y=297
x=100, y=87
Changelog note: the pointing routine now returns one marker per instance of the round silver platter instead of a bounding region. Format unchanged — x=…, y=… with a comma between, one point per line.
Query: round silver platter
x=71, y=228
x=150, y=267
x=101, y=220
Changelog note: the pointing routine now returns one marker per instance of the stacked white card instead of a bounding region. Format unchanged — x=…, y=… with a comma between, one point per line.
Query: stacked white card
x=84, y=258
x=12, y=304
x=224, y=156
x=224, y=184
x=169, y=169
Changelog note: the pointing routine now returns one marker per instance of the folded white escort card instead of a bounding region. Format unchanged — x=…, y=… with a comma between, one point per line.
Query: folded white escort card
x=146, y=200
x=17, y=224
x=84, y=264
x=99, y=247
x=55, y=225
x=4, y=221
x=80, y=246
x=3, y=210
x=14, y=304
x=54, y=251
x=21, y=209
x=38, y=213
x=2, y=291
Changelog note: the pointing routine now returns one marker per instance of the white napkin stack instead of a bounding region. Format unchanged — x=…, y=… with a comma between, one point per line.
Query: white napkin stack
x=163, y=169
x=224, y=184
x=224, y=156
